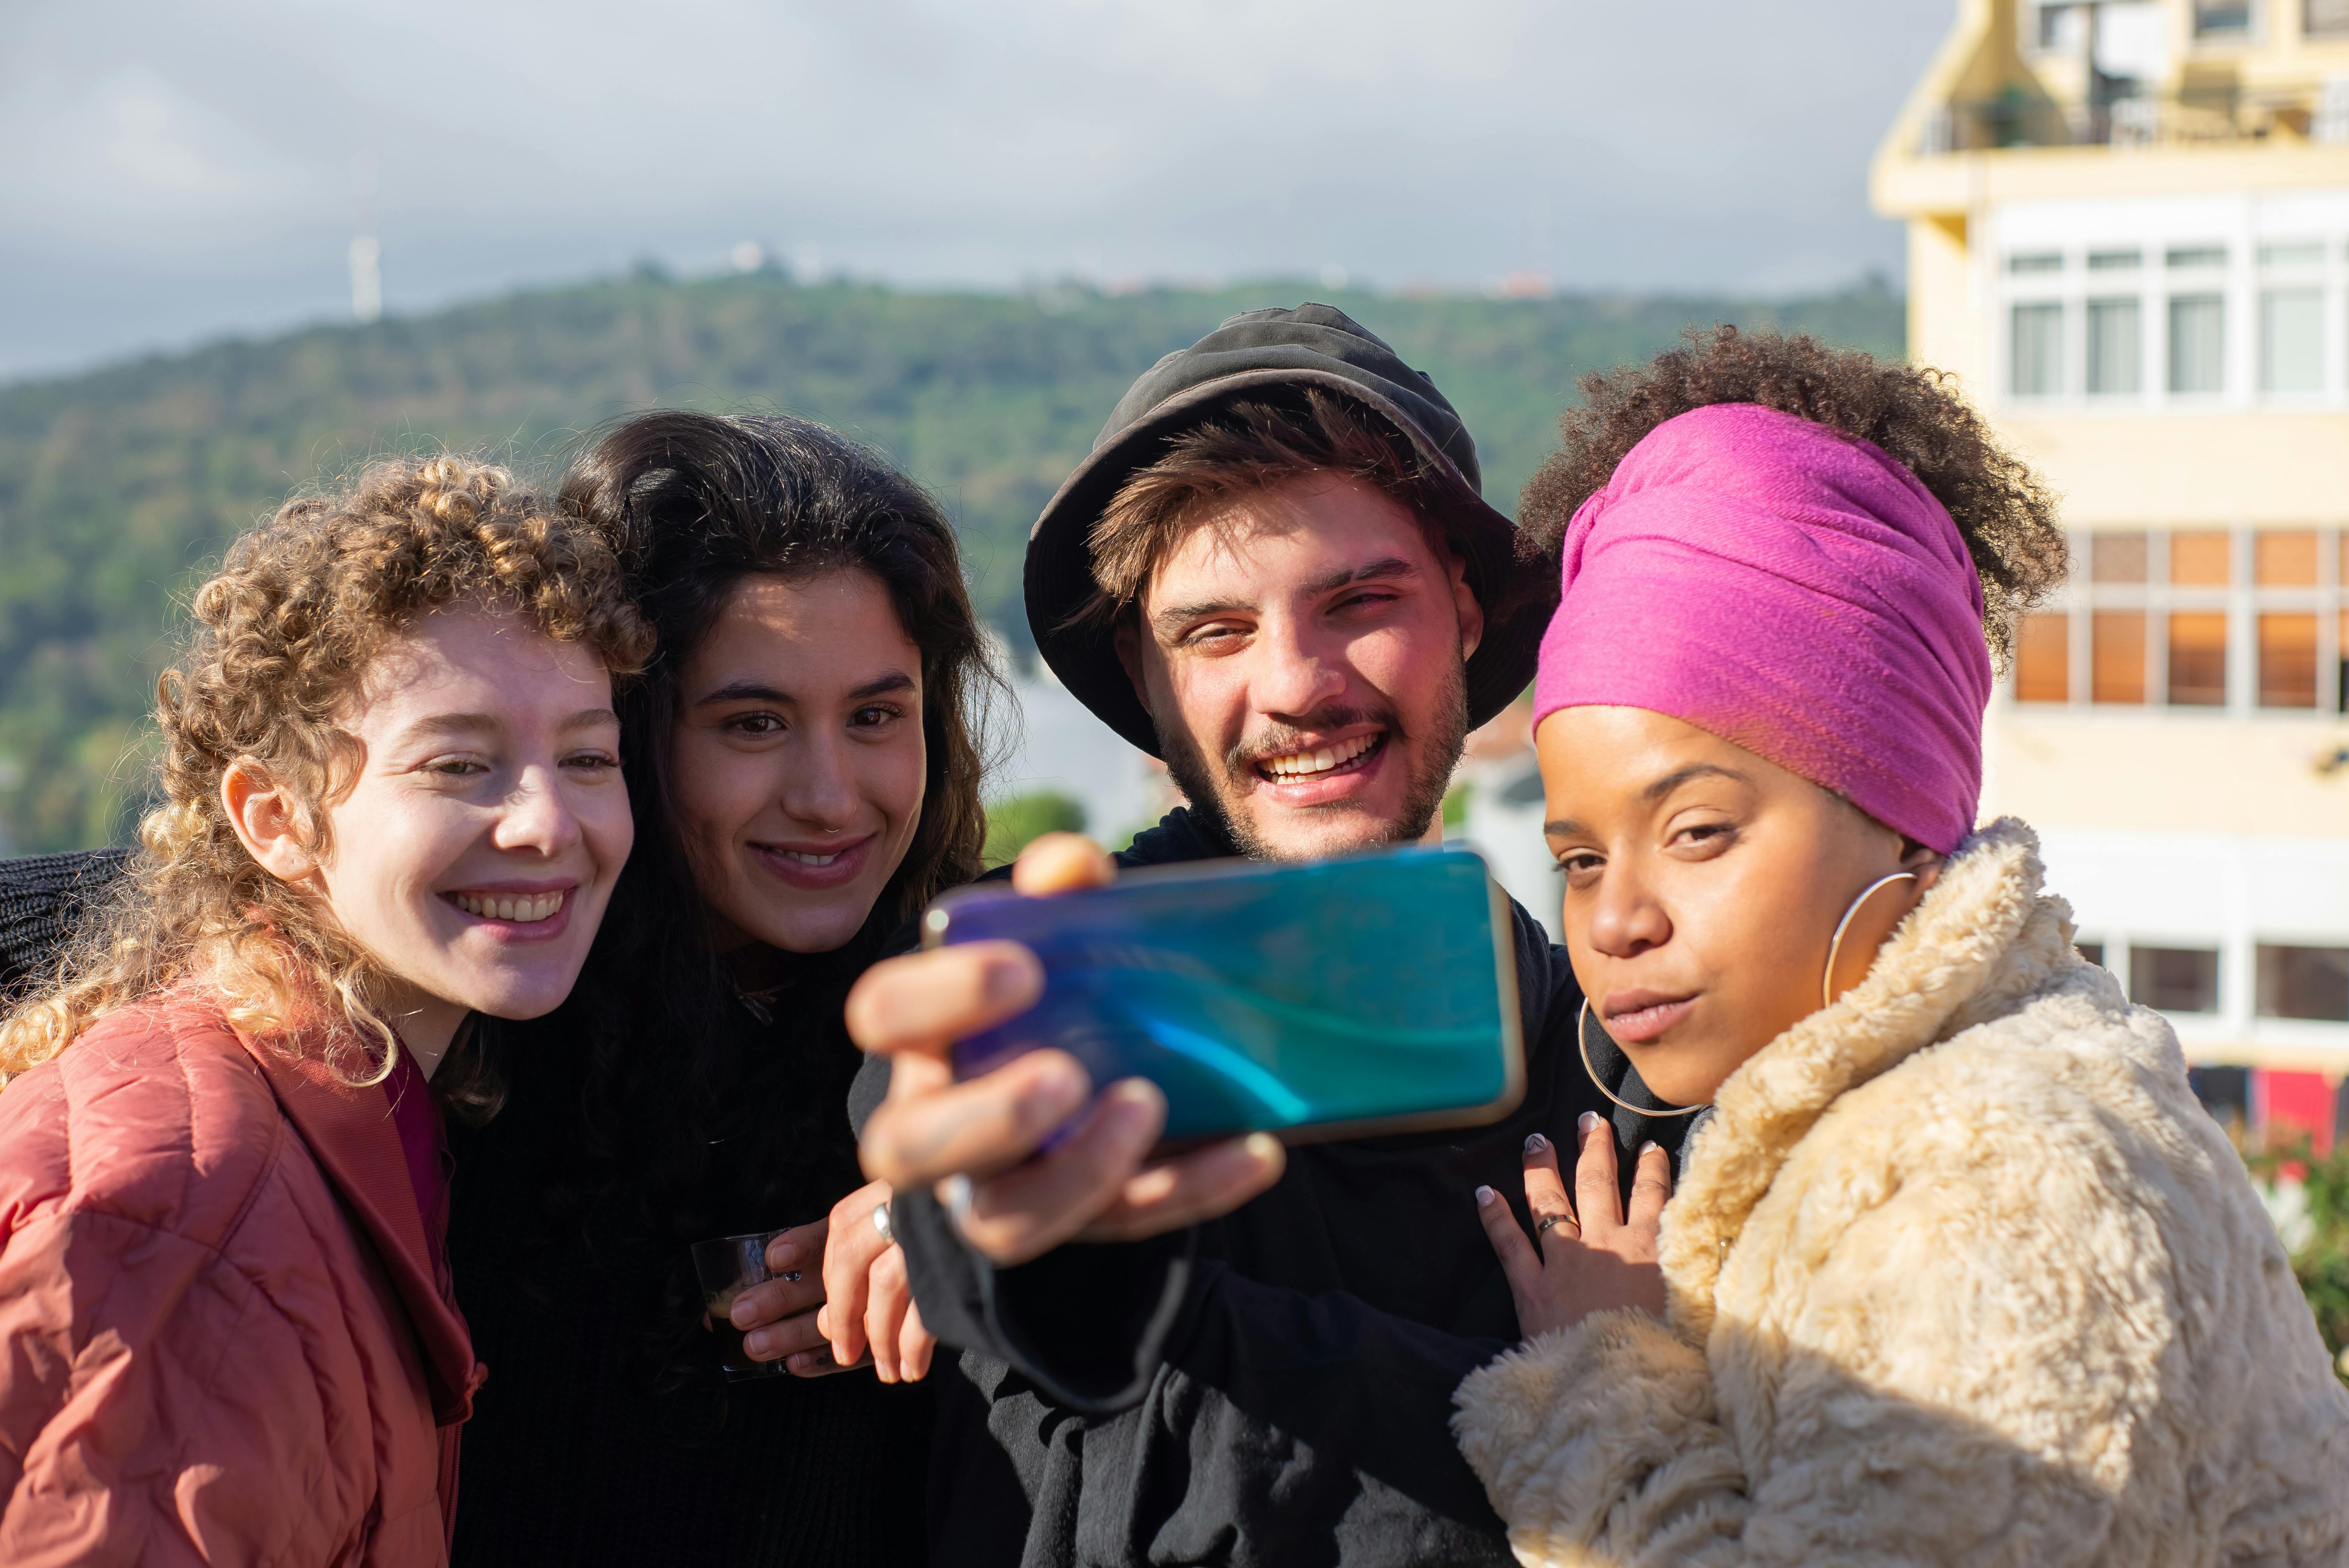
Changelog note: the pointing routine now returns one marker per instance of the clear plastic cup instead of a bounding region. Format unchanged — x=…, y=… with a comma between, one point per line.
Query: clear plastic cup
x=726, y=1267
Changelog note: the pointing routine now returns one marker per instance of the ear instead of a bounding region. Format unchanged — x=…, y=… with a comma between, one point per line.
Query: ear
x=1925, y=863
x=1471, y=613
x=267, y=820
x=1127, y=640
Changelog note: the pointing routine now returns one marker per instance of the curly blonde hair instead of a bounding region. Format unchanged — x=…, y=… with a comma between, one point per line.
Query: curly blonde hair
x=284, y=635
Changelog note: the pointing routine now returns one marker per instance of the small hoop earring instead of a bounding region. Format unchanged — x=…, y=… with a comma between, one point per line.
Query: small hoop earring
x=1582, y=1042
x=1835, y=948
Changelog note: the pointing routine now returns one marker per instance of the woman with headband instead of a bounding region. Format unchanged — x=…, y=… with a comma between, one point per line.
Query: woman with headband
x=1955, y=1268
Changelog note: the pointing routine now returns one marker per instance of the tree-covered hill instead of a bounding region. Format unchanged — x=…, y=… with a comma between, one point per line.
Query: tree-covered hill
x=118, y=486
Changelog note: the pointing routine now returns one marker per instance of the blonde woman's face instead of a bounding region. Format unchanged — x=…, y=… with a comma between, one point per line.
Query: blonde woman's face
x=475, y=855
x=1702, y=889
x=797, y=760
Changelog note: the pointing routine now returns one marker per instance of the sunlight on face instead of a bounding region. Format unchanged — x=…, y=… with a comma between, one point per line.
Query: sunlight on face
x=798, y=758
x=1702, y=889
x=475, y=852
x=1305, y=667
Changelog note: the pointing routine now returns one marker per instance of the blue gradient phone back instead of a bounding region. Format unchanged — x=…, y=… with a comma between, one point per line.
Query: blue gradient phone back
x=1376, y=993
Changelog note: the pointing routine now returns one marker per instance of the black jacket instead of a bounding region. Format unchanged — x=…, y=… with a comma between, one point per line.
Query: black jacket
x=1272, y=1387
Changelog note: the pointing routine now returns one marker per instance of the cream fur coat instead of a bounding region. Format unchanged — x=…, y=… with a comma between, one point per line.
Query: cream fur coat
x=1958, y=1272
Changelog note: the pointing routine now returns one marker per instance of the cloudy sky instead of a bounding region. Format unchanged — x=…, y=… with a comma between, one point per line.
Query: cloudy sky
x=171, y=172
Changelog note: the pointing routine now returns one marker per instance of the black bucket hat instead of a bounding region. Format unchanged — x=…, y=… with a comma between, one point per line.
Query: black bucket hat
x=1259, y=357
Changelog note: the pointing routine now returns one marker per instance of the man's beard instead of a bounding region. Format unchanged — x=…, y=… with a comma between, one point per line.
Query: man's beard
x=1211, y=794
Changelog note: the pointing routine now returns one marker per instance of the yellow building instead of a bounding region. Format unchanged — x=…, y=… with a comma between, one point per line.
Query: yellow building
x=2128, y=233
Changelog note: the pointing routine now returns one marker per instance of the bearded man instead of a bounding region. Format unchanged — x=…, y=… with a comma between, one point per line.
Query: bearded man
x=1275, y=571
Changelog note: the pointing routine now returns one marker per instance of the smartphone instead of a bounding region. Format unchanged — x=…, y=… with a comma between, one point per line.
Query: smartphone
x=1345, y=997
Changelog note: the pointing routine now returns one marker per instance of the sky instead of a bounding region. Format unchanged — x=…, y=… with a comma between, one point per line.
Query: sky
x=172, y=173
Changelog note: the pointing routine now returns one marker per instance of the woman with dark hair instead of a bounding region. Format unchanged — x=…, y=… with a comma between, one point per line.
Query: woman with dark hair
x=805, y=763
x=1953, y=1269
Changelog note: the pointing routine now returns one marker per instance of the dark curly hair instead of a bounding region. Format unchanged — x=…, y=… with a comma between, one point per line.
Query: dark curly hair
x=2005, y=513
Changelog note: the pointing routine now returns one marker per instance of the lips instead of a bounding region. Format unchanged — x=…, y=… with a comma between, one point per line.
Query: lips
x=1636, y=1017
x=815, y=866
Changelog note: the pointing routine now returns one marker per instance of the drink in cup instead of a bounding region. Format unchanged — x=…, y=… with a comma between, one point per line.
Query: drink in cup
x=726, y=1267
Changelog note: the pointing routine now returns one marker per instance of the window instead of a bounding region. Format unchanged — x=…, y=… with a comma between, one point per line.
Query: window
x=2113, y=338
x=2197, y=342
x=2292, y=340
x=2195, y=620
x=2042, y=650
x=2038, y=364
x=2116, y=558
x=2114, y=260
x=2304, y=983
x=2174, y=979
x=2198, y=660
x=2035, y=262
x=2295, y=252
x=2116, y=655
x=2187, y=256
x=2324, y=18
x=2288, y=661
x=2199, y=560
x=2285, y=558
x=2094, y=951
x=2222, y=18
x=2225, y=1092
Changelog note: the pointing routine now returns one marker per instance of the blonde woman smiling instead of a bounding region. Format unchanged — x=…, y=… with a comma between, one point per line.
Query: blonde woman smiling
x=391, y=795
x=1956, y=1270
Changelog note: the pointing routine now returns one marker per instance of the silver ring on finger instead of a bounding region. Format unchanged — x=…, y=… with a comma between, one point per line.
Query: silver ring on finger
x=881, y=1222
x=1542, y=1226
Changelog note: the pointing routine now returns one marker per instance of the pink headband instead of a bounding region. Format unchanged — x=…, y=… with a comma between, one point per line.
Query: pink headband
x=1794, y=590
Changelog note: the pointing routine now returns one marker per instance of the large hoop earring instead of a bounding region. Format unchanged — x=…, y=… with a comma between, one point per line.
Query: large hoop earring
x=1835, y=948
x=1582, y=1042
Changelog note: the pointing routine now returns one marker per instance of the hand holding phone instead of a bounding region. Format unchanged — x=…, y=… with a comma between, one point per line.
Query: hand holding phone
x=1098, y=1181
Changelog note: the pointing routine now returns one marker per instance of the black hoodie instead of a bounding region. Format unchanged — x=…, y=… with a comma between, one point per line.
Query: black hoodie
x=1274, y=1387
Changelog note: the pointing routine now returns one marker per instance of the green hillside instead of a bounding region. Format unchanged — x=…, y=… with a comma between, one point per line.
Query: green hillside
x=115, y=487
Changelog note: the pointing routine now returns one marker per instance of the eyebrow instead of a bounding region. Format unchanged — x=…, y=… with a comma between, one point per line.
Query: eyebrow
x=751, y=690
x=476, y=723
x=1567, y=827
x=1385, y=569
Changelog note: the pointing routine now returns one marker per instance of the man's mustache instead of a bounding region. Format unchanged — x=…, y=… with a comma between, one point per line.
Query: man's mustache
x=1280, y=740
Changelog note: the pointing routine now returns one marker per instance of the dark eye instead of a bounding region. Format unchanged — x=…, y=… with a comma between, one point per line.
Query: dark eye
x=457, y=767
x=1578, y=863
x=591, y=761
x=755, y=723
x=873, y=715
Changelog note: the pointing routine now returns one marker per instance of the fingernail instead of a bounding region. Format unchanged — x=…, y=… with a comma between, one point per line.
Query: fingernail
x=1131, y=1106
x=1005, y=981
x=1584, y=1123
x=1650, y=1144
x=781, y=1255
x=1485, y=1197
x=1059, y=1088
x=755, y=1342
x=740, y=1313
x=1536, y=1143
x=1261, y=1146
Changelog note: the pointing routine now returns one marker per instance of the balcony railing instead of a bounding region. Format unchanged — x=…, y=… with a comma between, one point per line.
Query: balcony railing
x=2019, y=120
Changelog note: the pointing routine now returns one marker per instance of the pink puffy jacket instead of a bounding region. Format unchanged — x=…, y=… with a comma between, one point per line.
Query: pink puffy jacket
x=221, y=1340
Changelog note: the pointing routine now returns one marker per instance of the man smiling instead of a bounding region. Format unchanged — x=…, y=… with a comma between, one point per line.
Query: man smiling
x=1276, y=572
